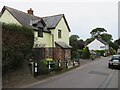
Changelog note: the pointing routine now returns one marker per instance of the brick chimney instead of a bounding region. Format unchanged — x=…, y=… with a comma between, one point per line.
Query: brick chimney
x=30, y=11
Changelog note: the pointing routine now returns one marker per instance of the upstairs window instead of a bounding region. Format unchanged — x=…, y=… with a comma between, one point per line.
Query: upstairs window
x=40, y=32
x=59, y=33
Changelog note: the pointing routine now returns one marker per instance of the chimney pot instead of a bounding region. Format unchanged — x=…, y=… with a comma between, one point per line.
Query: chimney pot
x=30, y=11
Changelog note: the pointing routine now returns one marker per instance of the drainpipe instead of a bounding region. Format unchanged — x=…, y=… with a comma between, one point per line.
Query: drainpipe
x=53, y=44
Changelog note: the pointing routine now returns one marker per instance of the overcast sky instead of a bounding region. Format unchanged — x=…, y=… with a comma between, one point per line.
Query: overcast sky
x=82, y=16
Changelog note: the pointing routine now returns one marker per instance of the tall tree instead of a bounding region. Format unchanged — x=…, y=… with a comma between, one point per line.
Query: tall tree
x=97, y=31
x=106, y=37
x=73, y=42
x=114, y=45
x=118, y=41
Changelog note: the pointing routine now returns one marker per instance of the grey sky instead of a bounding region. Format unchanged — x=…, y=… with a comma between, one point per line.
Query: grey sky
x=82, y=17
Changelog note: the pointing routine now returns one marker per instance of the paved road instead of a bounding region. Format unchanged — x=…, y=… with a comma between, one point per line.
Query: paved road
x=92, y=75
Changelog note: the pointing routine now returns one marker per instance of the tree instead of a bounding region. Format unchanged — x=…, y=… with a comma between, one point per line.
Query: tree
x=80, y=44
x=73, y=41
x=89, y=40
x=97, y=31
x=114, y=45
x=118, y=41
x=106, y=37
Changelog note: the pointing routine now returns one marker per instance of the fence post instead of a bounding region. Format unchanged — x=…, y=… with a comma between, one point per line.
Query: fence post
x=49, y=65
x=59, y=64
x=34, y=69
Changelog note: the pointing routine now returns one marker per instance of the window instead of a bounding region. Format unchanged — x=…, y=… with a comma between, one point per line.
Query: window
x=40, y=32
x=59, y=33
x=102, y=46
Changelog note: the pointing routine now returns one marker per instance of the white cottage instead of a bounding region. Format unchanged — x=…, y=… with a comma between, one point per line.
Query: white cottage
x=98, y=44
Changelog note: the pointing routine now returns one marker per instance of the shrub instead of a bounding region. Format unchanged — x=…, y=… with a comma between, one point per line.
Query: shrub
x=100, y=52
x=86, y=53
x=17, y=43
x=42, y=68
x=57, y=68
x=75, y=54
x=80, y=52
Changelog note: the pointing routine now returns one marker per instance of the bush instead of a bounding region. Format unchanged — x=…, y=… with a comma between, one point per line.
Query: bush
x=100, y=52
x=75, y=54
x=17, y=43
x=86, y=53
x=57, y=68
x=80, y=52
x=42, y=68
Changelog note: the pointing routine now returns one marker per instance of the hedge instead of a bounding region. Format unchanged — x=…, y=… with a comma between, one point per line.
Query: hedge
x=17, y=43
x=86, y=53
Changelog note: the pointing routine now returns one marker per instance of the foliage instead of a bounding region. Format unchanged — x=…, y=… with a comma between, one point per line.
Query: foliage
x=118, y=41
x=80, y=44
x=86, y=53
x=17, y=43
x=57, y=68
x=106, y=37
x=114, y=45
x=80, y=51
x=75, y=54
x=42, y=68
x=100, y=52
x=97, y=31
x=89, y=40
x=73, y=42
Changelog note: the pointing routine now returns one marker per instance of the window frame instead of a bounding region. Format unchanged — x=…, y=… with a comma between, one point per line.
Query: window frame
x=59, y=33
x=40, y=32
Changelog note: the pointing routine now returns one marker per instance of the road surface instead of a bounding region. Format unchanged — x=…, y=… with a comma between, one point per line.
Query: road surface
x=92, y=75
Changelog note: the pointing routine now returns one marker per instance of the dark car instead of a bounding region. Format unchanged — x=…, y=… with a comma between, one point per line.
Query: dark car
x=114, y=62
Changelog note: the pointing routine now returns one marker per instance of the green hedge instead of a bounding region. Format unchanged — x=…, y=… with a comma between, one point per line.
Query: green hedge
x=86, y=53
x=75, y=55
x=100, y=52
x=42, y=68
x=17, y=43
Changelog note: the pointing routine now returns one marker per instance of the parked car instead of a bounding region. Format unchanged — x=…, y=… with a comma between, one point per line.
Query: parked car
x=114, y=62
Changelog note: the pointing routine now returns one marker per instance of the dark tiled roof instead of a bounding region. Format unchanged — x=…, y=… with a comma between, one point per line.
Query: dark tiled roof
x=62, y=44
x=52, y=21
x=99, y=39
x=22, y=17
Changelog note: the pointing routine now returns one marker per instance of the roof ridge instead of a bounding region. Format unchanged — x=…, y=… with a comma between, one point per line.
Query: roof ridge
x=21, y=11
x=53, y=15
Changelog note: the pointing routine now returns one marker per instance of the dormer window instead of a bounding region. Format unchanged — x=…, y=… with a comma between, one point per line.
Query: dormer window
x=59, y=33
